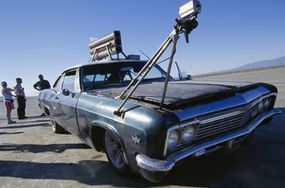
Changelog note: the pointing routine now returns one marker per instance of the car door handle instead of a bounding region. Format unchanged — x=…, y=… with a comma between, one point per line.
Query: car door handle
x=57, y=96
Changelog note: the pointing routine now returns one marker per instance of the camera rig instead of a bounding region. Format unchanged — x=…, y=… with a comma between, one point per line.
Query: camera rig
x=106, y=47
x=185, y=23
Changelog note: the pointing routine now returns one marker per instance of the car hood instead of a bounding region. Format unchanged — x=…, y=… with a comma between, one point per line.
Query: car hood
x=181, y=93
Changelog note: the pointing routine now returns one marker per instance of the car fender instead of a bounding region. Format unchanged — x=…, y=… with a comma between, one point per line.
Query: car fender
x=106, y=126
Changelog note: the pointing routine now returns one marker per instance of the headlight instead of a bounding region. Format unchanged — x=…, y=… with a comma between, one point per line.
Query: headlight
x=188, y=134
x=173, y=140
x=267, y=103
x=260, y=106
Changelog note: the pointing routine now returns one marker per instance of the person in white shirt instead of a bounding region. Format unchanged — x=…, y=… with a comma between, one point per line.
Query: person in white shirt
x=8, y=99
x=20, y=94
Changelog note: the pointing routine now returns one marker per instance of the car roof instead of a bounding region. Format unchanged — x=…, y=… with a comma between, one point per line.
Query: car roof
x=105, y=62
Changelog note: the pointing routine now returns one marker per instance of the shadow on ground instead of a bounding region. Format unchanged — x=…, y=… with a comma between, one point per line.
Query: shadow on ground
x=34, y=148
x=2, y=133
x=89, y=172
x=42, y=123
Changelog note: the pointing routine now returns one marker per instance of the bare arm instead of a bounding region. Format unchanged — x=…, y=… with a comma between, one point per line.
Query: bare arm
x=36, y=86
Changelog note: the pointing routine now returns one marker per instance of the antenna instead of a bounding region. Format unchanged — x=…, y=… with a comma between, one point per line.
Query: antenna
x=144, y=54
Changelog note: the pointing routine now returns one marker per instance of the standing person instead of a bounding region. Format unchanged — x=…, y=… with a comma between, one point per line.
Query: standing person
x=8, y=98
x=20, y=94
x=42, y=83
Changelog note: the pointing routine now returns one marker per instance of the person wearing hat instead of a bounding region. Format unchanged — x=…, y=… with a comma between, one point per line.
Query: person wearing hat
x=21, y=100
x=8, y=99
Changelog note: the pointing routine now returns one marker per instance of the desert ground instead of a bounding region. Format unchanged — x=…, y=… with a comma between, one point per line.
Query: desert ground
x=32, y=156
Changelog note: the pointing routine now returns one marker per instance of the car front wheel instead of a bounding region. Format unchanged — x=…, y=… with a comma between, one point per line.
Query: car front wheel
x=115, y=153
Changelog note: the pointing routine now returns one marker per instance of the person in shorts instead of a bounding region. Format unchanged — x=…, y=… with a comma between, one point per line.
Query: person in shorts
x=8, y=99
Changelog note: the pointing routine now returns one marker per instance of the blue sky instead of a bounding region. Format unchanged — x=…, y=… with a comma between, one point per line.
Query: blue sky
x=48, y=36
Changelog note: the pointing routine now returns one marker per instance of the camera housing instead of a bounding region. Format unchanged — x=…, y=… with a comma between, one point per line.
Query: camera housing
x=106, y=46
x=189, y=10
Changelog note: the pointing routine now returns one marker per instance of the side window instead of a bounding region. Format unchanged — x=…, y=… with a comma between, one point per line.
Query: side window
x=58, y=83
x=69, y=80
x=102, y=77
x=127, y=77
x=154, y=73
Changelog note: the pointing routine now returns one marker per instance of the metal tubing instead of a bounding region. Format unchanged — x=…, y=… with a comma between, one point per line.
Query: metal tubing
x=145, y=70
x=150, y=61
x=174, y=38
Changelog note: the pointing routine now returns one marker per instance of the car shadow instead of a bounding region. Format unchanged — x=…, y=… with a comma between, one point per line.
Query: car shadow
x=90, y=172
x=34, y=120
x=2, y=133
x=34, y=117
x=35, y=148
x=26, y=125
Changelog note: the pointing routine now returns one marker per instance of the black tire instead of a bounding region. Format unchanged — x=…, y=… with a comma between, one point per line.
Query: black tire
x=115, y=153
x=56, y=128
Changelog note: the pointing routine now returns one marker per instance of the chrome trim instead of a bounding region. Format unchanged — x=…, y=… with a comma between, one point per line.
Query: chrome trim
x=261, y=98
x=221, y=117
x=189, y=123
x=155, y=165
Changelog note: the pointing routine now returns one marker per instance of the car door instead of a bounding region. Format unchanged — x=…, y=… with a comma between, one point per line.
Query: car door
x=68, y=100
x=55, y=100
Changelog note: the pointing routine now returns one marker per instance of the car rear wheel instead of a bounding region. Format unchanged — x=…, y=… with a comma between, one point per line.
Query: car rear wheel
x=115, y=153
x=56, y=128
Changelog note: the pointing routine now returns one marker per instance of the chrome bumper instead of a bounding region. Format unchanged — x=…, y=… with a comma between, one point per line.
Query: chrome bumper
x=166, y=165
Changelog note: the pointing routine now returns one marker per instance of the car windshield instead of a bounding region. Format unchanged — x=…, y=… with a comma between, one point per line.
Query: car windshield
x=110, y=74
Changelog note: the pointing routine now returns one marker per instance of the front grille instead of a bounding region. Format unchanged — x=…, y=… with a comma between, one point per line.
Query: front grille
x=249, y=114
x=220, y=124
x=224, y=122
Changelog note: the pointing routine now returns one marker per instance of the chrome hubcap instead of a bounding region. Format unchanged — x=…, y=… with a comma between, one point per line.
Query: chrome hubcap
x=114, y=150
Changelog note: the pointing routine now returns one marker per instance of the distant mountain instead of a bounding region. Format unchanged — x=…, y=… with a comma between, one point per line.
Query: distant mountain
x=251, y=66
x=261, y=64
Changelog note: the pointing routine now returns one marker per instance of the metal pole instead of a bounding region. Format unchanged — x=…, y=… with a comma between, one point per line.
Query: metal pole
x=150, y=62
x=174, y=38
x=145, y=70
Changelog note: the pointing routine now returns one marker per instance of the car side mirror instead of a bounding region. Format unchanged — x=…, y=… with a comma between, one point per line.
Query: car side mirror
x=65, y=92
x=181, y=75
x=188, y=77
